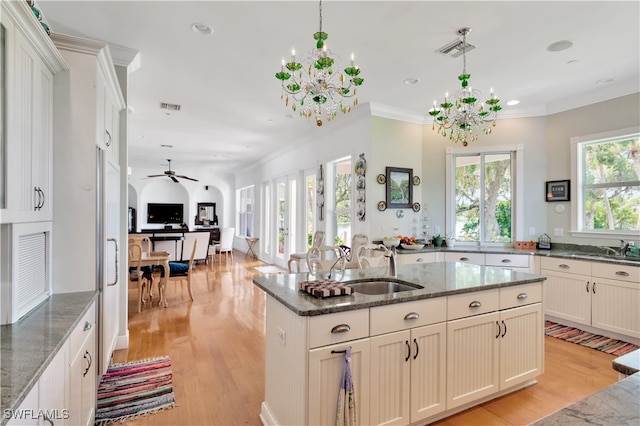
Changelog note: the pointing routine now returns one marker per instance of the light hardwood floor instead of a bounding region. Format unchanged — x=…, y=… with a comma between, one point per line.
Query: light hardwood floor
x=216, y=344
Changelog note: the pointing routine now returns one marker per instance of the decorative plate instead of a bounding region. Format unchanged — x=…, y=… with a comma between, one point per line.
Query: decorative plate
x=382, y=206
x=382, y=179
x=415, y=207
x=416, y=181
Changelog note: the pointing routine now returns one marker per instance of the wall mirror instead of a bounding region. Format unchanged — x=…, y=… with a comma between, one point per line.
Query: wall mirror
x=206, y=214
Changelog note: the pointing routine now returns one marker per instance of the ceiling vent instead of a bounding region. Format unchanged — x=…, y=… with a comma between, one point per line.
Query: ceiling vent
x=170, y=107
x=163, y=145
x=455, y=48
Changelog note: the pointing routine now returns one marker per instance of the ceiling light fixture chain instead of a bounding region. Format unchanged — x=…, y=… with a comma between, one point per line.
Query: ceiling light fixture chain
x=315, y=88
x=459, y=114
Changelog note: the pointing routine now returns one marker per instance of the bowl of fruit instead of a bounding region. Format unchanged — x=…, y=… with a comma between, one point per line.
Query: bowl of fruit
x=410, y=243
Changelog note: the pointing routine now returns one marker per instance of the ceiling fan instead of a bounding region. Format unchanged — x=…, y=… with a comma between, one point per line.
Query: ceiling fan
x=172, y=175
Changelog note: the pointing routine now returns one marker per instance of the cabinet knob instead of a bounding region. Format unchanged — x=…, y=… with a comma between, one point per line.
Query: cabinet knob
x=340, y=328
x=475, y=304
x=87, y=326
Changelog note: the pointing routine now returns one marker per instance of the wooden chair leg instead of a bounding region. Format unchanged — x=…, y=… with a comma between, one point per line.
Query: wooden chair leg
x=189, y=287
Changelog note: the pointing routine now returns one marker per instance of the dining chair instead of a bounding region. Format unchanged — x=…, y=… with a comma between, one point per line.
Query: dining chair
x=179, y=271
x=142, y=276
x=296, y=258
x=226, y=243
x=325, y=259
x=372, y=256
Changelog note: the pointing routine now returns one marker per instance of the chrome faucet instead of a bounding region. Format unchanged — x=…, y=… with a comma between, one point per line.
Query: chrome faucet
x=624, y=246
x=341, y=257
x=391, y=255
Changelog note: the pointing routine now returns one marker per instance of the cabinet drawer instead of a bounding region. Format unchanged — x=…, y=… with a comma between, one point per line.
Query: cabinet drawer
x=508, y=260
x=407, y=259
x=474, y=303
x=475, y=258
x=519, y=295
x=614, y=271
x=565, y=265
x=401, y=316
x=82, y=330
x=339, y=327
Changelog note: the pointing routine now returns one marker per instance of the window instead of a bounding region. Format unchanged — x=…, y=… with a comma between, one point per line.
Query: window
x=342, y=190
x=245, y=212
x=606, y=170
x=310, y=206
x=482, y=195
x=266, y=235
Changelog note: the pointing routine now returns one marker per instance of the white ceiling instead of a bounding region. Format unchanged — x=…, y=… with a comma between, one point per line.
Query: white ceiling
x=232, y=114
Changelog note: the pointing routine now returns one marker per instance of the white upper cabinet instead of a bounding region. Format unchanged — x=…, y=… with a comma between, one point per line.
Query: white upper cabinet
x=31, y=60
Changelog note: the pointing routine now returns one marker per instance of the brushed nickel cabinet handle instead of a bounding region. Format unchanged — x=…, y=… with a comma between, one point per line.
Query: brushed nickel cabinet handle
x=419, y=260
x=411, y=316
x=341, y=328
x=563, y=266
x=475, y=304
x=464, y=259
x=506, y=261
x=622, y=273
x=522, y=296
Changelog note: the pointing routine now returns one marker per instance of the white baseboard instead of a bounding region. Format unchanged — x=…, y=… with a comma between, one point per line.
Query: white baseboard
x=122, y=342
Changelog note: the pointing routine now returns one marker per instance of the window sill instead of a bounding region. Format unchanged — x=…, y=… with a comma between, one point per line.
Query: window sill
x=606, y=234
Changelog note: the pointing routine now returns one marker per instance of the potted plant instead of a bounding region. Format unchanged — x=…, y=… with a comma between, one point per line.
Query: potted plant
x=451, y=239
x=437, y=240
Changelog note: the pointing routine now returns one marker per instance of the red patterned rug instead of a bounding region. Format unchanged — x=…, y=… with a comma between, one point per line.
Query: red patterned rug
x=133, y=389
x=590, y=340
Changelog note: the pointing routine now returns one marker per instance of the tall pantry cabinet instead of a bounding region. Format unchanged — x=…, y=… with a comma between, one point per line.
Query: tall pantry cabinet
x=29, y=62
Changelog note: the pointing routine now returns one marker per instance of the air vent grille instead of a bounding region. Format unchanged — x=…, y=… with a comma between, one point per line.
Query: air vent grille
x=170, y=107
x=455, y=48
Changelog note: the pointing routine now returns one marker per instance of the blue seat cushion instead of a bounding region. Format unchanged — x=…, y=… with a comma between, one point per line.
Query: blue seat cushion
x=145, y=270
x=176, y=268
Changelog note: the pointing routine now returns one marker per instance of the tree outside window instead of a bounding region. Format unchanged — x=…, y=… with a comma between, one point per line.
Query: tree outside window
x=343, y=201
x=483, y=197
x=609, y=184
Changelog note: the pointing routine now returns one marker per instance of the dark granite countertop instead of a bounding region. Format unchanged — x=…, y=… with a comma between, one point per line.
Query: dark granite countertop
x=617, y=405
x=627, y=364
x=566, y=251
x=29, y=345
x=437, y=279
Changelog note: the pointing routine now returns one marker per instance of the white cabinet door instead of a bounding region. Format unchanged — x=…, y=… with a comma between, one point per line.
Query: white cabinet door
x=616, y=306
x=568, y=296
x=26, y=414
x=82, y=379
x=428, y=371
x=472, y=358
x=54, y=389
x=521, y=344
x=390, y=378
x=29, y=132
x=326, y=366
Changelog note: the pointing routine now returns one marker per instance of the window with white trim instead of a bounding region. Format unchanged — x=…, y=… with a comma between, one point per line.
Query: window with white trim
x=606, y=171
x=245, y=212
x=483, y=195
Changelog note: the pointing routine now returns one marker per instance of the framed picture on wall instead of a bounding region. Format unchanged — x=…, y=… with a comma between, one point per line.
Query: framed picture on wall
x=399, y=188
x=557, y=190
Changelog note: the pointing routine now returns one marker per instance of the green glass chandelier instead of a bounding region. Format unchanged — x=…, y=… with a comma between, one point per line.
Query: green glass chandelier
x=460, y=117
x=315, y=87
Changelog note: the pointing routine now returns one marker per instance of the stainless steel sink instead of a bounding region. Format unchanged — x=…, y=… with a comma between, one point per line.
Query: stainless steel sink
x=381, y=287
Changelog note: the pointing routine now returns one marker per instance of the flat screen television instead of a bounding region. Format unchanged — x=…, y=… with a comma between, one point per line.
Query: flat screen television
x=165, y=213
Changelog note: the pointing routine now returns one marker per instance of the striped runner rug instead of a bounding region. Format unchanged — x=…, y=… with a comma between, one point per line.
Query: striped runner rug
x=135, y=388
x=590, y=340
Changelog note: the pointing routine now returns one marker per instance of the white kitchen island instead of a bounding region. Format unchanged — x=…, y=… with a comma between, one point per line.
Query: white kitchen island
x=468, y=334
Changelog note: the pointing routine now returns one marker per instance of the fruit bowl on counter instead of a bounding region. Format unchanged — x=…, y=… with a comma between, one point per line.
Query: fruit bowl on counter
x=413, y=246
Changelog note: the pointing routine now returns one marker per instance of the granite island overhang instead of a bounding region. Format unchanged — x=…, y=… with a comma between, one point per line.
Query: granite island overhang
x=436, y=279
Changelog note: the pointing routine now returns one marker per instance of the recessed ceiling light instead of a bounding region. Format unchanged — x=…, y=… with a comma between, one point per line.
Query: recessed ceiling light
x=604, y=81
x=202, y=29
x=559, y=46
x=411, y=81
x=513, y=102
